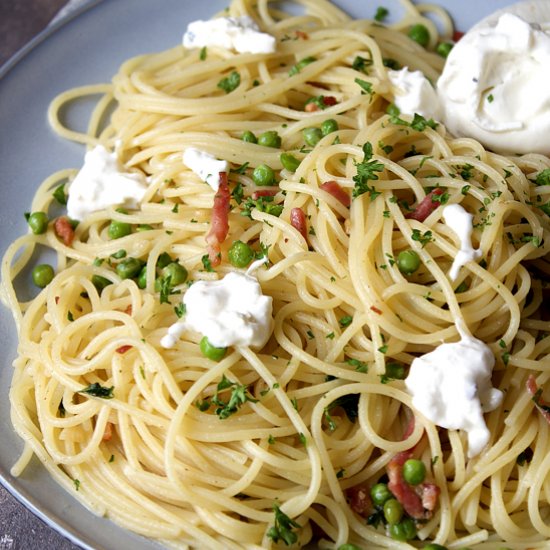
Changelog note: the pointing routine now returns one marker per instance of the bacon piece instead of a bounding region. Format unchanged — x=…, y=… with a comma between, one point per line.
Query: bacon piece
x=298, y=221
x=328, y=101
x=426, y=206
x=359, y=500
x=457, y=35
x=264, y=193
x=123, y=349
x=542, y=406
x=333, y=188
x=64, y=230
x=418, y=501
x=219, y=224
x=429, y=495
x=403, y=492
x=311, y=107
x=108, y=433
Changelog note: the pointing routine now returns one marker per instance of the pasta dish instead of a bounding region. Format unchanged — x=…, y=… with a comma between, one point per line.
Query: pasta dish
x=284, y=310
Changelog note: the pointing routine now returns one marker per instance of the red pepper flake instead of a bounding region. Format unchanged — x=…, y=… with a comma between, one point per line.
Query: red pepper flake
x=329, y=100
x=128, y=309
x=536, y=392
x=376, y=310
x=303, y=35
x=123, y=349
x=56, y=300
x=64, y=230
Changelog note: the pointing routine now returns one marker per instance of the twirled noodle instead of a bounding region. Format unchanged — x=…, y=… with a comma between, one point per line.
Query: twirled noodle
x=180, y=474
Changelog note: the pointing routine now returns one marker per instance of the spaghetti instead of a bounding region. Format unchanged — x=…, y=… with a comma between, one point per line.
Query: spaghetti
x=275, y=445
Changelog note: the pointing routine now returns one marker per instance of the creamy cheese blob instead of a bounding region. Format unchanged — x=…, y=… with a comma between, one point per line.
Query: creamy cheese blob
x=451, y=386
x=229, y=312
x=460, y=221
x=240, y=34
x=414, y=94
x=102, y=182
x=205, y=165
x=494, y=86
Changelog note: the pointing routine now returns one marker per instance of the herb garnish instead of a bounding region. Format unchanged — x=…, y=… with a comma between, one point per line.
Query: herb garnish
x=97, y=390
x=282, y=528
x=366, y=171
x=230, y=83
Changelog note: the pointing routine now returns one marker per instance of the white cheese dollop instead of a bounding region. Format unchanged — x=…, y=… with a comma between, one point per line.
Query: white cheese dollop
x=414, y=94
x=240, y=34
x=494, y=86
x=451, y=386
x=205, y=165
x=230, y=312
x=460, y=221
x=102, y=182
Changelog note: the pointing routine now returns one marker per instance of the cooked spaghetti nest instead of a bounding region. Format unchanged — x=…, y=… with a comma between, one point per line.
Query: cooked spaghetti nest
x=156, y=461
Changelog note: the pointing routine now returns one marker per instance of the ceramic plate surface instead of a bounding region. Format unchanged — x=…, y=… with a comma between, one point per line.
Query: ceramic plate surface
x=86, y=48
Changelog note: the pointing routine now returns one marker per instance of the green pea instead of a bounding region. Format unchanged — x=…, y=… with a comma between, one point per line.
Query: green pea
x=42, y=275
x=129, y=268
x=435, y=546
x=420, y=34
x=176, y=272
x=249, y=137
x=408, y=261
x=100, y=282
x=379, y=493
x=118, y=229
x=163, y=260
x=444, y=48
x=269, y=139
x=289, y=162
x=393, y=110
x=263, y=175
x=349, y=546
x=312, y=135
x=414, y=471
x=38, y=222
x=144, y=227
x=142, y=278
x=328, y=126
x=393, y=511
x=210, y=351
x=240, y=254
x=403, y=531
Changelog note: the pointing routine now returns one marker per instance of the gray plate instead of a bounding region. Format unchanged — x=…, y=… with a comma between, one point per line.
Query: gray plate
x=85, y=48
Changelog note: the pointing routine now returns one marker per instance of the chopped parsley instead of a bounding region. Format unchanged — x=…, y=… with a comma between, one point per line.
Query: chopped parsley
x=230, y=83
x=203, y=53
x=207, y=264
x=295, y=69
x=365, y=86
x=345, y=321
x=381, y=14
x=238, y=397
x=283, y=528
x=543, y=178
x=59, y=194
x=366, y=171
x=422, y=238
x=263, y=204
x=97, y=390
